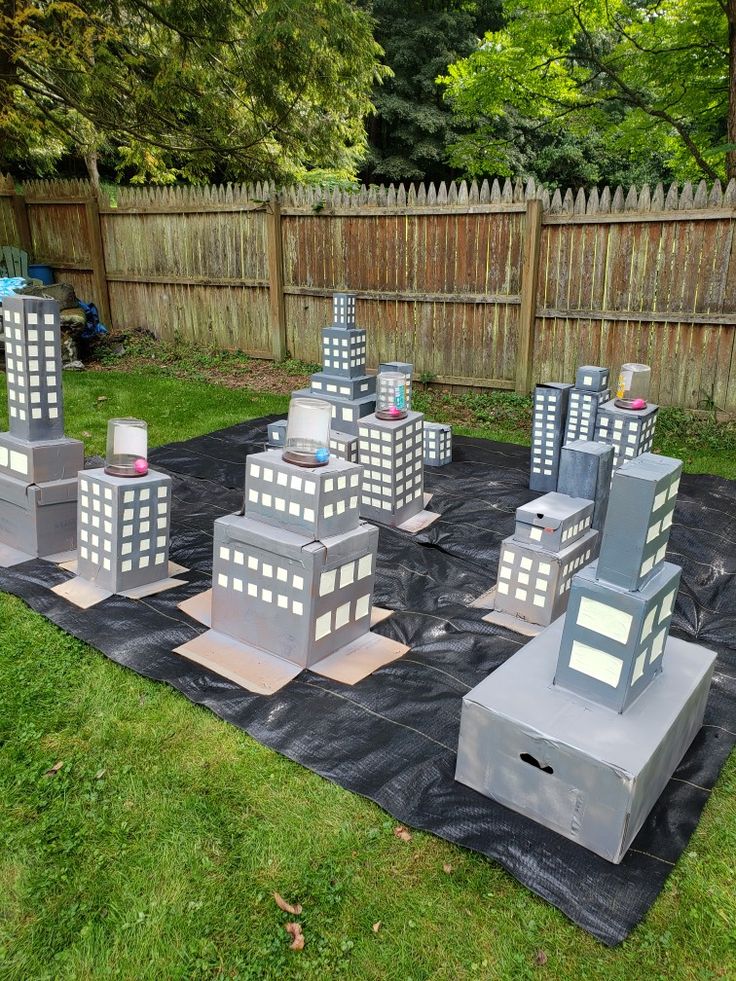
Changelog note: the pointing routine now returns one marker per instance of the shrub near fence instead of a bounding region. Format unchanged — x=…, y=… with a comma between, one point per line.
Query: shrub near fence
x=487, y=286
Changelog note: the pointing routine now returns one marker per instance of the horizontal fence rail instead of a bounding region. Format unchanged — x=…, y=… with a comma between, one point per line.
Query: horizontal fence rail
x=481, y=285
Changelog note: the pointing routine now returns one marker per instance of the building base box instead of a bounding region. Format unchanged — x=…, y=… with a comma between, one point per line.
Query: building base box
x=346, y=413
x=572, y=765
x=289, y=595
x=123, y=529
x=39, y=519
x=534, y=584
x=40, y=461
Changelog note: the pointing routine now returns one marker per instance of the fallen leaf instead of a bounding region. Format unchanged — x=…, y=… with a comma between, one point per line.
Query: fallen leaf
x=447, y=868
x=85, y=433
x=100, y=774
x=295, y=931
x=54, y=769
x=401, y=832
x=376, y=927
x=295, y=910
x=540, y=958
x=102, y=398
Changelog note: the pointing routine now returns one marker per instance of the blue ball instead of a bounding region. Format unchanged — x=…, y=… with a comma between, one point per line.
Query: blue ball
x=322, y=455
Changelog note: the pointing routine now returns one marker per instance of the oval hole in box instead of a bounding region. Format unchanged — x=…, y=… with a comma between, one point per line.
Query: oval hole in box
x=533, y=761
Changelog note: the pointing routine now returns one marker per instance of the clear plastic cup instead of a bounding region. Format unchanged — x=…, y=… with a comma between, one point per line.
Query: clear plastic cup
x=308, y=432
x=127, y=448
x=391, y=395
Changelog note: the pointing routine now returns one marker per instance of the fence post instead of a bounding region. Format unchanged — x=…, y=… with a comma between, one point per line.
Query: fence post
x=20, y=214
x=528, y=309
x=97, y=260
x=276, y=279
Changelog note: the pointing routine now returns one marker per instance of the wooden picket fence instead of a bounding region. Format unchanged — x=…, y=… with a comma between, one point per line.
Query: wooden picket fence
x=490, y=285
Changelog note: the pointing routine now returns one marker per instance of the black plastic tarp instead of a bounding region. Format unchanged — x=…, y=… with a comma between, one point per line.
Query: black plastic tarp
x=393, y=737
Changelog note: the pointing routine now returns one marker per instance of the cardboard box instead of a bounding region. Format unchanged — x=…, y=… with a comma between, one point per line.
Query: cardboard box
x=39, y=519
x=317, y=502
x=553, y=521
x=344, y=446
x=343, y=351
x=592, y=378
x=40, y=461
x=629, y=432
x=33, y=367
x=358, y=387
x=586, y=469
x=287, y=594
x=123, y=529
x=437, y=444
x=640, y=511
x=392, y=453
x=613, y=643
x=533, y=583
x=277, y=434
x=572, y=765
x=583, y=412
x=548, y=429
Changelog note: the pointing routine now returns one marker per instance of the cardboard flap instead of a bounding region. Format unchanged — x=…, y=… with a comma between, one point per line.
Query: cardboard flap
x=55, y=491
x=551, y=510
x=15, y=491
x=274, y=538
x=340, y=548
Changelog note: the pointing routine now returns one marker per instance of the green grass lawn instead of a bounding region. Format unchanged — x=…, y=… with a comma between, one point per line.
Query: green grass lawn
x=154, y=851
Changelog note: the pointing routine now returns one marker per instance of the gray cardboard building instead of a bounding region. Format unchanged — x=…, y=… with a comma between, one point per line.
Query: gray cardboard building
x=289, y=593
x=586, y=469
x=553, y=521
x=592, y=378
x=582, y=728
x=548, y=430
x=277, y=434
x=583, y=413
x=572, y=764
x=343, y=381
x=640, y=511
x=630, y=432
x=38, y=519
x=344, y=446
x=320, y=502
x=437, y=444
x=533, y=583
x=123, y=529
x=38, y=464
x=33, y=366
x=614, y=638
x=392, y=455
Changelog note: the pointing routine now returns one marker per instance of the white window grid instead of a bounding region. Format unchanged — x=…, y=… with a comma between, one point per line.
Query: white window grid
x=17, y=461
x=137, y=516
x=546, y=437
x=343, y=309
x=294, y=496
x=262, y=576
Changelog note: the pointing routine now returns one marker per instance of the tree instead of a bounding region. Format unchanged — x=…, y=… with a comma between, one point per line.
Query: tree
x=256, y=89
x=413, y=125
x=640, y=81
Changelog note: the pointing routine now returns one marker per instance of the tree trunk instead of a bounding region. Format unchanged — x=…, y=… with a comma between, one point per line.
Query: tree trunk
x=90, y=159
x=731, y=133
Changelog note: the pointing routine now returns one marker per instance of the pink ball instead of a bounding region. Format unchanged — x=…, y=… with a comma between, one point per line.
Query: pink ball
x=638, y=404
x=141, y=466
x=394, y=411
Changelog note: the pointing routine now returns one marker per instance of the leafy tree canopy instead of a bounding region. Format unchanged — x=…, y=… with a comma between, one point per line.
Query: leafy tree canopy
x=601, y=88
x=413, y=125
x=186, y=89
